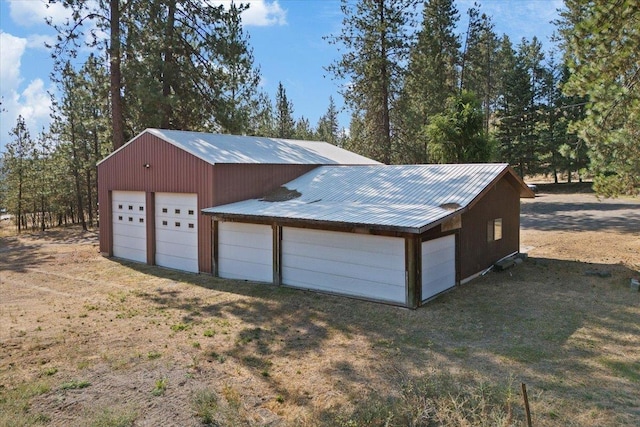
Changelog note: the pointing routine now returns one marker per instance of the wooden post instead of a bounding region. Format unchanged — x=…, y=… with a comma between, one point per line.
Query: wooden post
x=214, y=248
x=526, y=404
x=277, y=253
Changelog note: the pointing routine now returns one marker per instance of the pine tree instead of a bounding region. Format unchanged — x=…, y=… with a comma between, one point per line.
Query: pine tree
x=601, y=40
x=17, y=172
x=285, y=124
x=328, y=127
x=178, y=64
x=432, y=76
x=514, y=126
x=375, y=42
x=479, y=71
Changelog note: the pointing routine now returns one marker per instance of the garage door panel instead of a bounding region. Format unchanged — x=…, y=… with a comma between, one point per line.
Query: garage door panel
x=244, y=270
x=345, y=263
x=339, y=240
x=344, y=268
x=257, y=255
x=438, y=266
x=177, y=262
x=129, y=230
x=360, y=257
x=126, y=230
x=176, y=218
x=245, y=251
x=177, y=236
x=259, y=238
x=346, y=285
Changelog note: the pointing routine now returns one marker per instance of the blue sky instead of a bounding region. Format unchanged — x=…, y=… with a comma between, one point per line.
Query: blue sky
x=286, y=36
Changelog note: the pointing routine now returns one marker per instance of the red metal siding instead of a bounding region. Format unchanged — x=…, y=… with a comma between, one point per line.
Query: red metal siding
x=476, y=253
x=235, y=182
x=176, y=171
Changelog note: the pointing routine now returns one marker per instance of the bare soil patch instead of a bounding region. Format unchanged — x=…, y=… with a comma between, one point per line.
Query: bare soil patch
x=86, y=340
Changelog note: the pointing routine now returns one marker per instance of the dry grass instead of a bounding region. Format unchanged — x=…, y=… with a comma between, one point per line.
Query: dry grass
x=87, y=340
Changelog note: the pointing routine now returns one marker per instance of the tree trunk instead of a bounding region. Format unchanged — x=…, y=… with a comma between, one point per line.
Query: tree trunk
x=386, y=123
x=168, y=74
x=117, y=116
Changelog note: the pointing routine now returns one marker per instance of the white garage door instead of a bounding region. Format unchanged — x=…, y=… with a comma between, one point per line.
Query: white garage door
x=128, y=209
x=177, y=231
x=344, y=263
x=438, y=266
x=245, y=251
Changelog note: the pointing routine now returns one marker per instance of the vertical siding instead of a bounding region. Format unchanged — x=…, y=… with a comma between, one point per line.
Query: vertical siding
x=235, y=182
x=170, y=170
x=476, y=254
x=173, y=170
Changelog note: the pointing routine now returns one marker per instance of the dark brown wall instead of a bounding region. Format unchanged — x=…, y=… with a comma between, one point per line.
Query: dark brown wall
x=476, y=254
x=176, y=171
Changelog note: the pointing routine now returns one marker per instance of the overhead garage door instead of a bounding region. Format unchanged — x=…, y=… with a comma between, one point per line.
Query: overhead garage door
x=245, y=251
x=177, y=231
x=129, y=225
x=345, y=263
x=438, y=266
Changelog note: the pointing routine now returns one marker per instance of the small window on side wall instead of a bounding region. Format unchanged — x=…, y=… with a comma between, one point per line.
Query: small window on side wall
x=494, y=229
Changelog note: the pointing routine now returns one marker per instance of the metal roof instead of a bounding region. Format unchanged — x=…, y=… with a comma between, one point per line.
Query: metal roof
x=406, y=198
x=219, y=148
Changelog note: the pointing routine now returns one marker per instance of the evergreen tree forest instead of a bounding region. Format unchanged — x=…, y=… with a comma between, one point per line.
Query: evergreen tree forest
x=421, y=88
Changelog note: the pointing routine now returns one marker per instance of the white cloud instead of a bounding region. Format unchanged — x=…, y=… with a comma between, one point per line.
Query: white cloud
x=34, y=12
x=39, y=41
x=261, y=13
x=33, y=103
x=11, y=50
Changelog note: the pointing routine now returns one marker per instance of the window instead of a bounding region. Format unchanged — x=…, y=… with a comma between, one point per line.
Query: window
x=130, y=219
x=120, y=218
x=190, y=211
x=177, y=211
x=165, y=223
x=119, y=206
x=177, y=224
x=164, y=210
x=494, y=229
x=140, y=220
x=130, y=207
x=190, y=225
x=141, y=209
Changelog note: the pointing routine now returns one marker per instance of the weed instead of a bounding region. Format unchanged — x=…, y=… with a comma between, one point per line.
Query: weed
x=111, y=417
x=209, y=333
x=75, y=385
x=50, y=371
x=232, y=396
x=179, y=327
x=160, y=388
x=279, y=399
x=195, y=344
x=90, y=307
x=205, y=404
x=153, y=355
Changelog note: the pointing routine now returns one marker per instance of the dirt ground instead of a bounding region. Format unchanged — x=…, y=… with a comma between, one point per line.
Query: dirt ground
x=86, y=340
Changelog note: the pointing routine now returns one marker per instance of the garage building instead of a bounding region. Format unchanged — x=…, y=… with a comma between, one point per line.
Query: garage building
x=151, y=191
x=305, y=214
x=395, y=234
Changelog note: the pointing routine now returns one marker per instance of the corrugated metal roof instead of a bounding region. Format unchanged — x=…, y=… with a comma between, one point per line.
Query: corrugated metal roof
x=220, y=148
x=402, y=197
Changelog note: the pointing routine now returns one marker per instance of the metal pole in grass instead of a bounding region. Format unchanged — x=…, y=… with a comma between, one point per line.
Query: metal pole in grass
x=526, y=404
